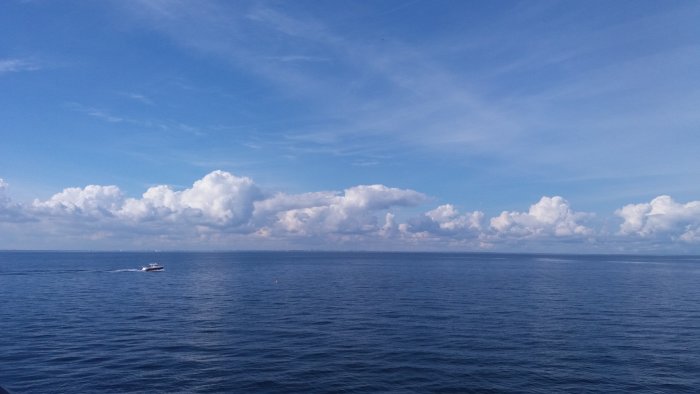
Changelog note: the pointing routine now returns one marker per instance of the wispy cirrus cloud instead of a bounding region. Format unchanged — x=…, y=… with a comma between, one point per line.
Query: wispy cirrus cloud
x=413, y=94
x=525, y=99
x=299, y=58
x=98, y=113
x=156, y=124
x=13, y=65
x=143, y=99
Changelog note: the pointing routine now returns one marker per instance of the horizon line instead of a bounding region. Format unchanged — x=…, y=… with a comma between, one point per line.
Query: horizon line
x=348, y=251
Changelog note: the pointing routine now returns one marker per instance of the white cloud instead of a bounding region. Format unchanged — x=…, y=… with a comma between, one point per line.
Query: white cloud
x=449, y=218
x=9, y=211
x=221, y=206
x=551, y=216
x=389, y=229
x=662, y=216
x=284, y=202
x=218, y=199
x=17, y=65
x=3, y=185
x=549, y=220
x=417, y=92
x=98, y=113
x=446, y=220
x=221, y=201
x=691, y=235
x=4, y=200
x=421, y=93
x=353, y=212
x=92, y=200
x=139, y=98
x=375, y=197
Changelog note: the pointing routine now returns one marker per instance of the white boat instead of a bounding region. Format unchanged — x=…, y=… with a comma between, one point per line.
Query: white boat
x=152, y=267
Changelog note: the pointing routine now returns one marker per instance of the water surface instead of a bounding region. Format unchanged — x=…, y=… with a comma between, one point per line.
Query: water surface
x=348, y=322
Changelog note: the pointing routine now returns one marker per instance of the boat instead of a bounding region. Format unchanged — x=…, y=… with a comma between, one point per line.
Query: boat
x=152, y=267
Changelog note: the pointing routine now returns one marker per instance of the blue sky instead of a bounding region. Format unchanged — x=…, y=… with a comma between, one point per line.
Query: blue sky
x=384, y=125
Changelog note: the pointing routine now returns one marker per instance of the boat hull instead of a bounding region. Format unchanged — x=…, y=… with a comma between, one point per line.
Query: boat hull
x=152, y=267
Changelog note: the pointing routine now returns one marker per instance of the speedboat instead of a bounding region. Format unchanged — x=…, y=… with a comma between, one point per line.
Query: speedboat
x=152, y=267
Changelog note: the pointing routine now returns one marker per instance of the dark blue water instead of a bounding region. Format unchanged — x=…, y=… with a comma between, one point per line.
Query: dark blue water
x=348, y=322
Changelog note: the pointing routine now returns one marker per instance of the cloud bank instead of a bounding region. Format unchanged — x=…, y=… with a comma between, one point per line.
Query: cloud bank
x=225, y=211
x=551, y=216
x=662, y=218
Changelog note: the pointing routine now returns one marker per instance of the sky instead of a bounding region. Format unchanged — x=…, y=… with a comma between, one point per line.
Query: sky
x=510, y=126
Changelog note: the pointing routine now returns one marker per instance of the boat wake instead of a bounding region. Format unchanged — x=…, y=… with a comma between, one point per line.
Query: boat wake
x=126, y=270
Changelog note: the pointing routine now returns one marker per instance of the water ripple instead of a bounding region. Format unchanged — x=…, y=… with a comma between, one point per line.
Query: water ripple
x=325, y=322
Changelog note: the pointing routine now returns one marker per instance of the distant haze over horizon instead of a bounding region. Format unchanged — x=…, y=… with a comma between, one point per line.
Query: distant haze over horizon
x=519, y=126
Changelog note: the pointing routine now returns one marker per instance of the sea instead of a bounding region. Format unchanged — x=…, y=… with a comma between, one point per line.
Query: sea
x=348, y=322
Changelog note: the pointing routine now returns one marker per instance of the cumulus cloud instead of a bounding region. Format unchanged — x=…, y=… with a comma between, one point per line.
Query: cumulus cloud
x=662, y=216
x=549, y=219
x=92, y=200
x=352, y=212
x=221, y=206
x=446, y=220
x=374, y=197
x=218, y=199
x=284, y=202
x=551, y=216
x=221, y=201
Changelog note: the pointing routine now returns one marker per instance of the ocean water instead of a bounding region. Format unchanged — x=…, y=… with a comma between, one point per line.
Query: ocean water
x=348, y=322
